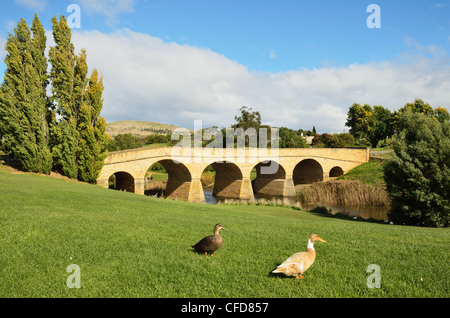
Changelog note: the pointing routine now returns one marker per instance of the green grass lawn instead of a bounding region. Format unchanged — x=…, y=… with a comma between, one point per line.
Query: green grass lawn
x=159, y=175
x=370, y=172
x=128, y=245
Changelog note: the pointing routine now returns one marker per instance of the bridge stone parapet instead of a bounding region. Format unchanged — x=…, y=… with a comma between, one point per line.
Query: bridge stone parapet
x=278, y=171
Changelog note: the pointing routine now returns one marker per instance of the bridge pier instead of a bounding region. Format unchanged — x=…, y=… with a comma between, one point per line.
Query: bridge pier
x=177, y=190
x=139, y=186
x=289, y=187
x=196, y=193
x=278, y=183
x=246, y=190
x=274, y=187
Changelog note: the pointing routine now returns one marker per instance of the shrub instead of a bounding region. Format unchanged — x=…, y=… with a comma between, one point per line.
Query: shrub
x=157, y=139
x=417, y=175
x=124, y=141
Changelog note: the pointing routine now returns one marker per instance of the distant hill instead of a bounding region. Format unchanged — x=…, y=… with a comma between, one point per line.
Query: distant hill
x=138, y=128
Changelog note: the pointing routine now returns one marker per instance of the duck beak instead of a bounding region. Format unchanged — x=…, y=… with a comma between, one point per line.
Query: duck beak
x=321, y=240
x=224, y=229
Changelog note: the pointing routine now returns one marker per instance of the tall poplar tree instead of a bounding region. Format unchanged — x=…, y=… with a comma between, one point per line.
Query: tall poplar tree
x=64, y=130
x=38, y=46
x=67, y=76
x=23, y=98
x=93, y=141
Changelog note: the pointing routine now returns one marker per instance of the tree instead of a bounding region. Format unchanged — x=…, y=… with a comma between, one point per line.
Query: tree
x=69, y=82
x=442, y=114
x=373, y=124
x=358, y=119
x=290, y=139
x=38, y=46
x=124, y=141
x=157, y=139
x=247, y=119
x=345, y=140
x=330, y=141
x=62, y=60
x=418, y=176
x=80, y=142
x=383, y=127
x=93, y=143
x=420, y=107
x=29, y=127
x=23, y=98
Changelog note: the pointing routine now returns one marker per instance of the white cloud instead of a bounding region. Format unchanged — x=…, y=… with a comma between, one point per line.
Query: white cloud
x=109, y=8
x=146, y=78
x=32, y=4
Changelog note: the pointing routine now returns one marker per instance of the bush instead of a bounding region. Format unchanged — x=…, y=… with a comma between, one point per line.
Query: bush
x=157, y=139
x=124, y=141
x=289, y=138
x=157, y=167
x=417, y=176
x=333, y=141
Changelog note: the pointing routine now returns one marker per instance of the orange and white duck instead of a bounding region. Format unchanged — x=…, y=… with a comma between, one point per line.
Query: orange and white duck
x=298, y=263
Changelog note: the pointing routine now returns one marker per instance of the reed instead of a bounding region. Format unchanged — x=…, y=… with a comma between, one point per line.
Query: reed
x=286, y=202
x=155, y=188
x=155, y=185
x=345, y=192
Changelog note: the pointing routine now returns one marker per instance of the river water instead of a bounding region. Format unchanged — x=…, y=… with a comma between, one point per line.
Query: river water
x=365, y=212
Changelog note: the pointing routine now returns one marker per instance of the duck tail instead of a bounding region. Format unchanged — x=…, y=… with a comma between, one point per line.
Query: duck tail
x=279, y=269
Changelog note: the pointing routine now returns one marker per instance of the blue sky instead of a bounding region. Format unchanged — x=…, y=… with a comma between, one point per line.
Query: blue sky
x=271, y=42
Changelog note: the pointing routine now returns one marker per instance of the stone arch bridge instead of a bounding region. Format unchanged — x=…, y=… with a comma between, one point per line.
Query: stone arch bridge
x=277, y=171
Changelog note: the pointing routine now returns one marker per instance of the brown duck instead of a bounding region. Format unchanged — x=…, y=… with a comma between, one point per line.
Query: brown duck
x=210, y=244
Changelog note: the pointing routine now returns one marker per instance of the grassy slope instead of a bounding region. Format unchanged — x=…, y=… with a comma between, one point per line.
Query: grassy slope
x=370, y=173
x=134, y=246
x=135, y=127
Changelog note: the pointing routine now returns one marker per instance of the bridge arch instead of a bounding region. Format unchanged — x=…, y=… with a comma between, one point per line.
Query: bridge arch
x=121, y=180
x=228, y=180
x=179, y=179
x=270, y=179
x=336, y=172
x=307, y=171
